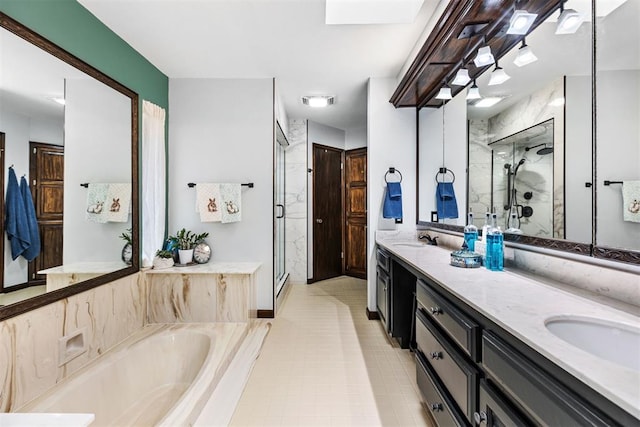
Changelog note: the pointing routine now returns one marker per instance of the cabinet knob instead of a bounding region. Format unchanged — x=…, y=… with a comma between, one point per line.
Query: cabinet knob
x=319, y=220
x=436, y=355
x=435, y=310
x=480, y=417
x=436, y=407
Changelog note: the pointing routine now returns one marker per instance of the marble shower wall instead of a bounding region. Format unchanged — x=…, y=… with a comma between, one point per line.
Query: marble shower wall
x=29, y=355
x=538, y=107
x=296, y=202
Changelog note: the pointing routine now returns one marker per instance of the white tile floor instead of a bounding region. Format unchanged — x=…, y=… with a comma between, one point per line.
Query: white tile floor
x=325, y=364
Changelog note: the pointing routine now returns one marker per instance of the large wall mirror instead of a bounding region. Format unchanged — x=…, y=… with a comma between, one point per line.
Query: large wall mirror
x=538, y=145
x=72, y=133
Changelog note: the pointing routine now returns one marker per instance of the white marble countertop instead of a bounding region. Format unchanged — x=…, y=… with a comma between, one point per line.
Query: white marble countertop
x=521, y=305
x=91, y=267
x=211, y=268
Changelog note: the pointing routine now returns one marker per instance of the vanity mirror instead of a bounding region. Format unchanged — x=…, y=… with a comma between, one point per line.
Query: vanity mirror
x=584, y=89
x=64, y=125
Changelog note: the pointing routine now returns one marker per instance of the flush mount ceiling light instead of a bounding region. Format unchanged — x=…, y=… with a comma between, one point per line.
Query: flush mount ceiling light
x=474, y=92
x=484, y=57
x=461, y=78
x=445, y=93
x=525, y=55
x=569, y=21
x=349, y=12
x=487, y=102
x=318, y=101
x=521, y=22
x=498, y=76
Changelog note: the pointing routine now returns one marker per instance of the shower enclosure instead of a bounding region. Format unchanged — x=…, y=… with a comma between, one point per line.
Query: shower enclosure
x=522, y=180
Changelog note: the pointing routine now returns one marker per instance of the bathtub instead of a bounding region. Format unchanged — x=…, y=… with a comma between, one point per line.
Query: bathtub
x=162, y=375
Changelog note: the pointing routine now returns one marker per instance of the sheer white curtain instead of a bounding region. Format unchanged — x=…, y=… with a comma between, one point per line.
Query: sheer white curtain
x=153, y=181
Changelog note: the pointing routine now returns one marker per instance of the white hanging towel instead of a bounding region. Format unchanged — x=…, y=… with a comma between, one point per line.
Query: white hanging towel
x=96, y=198
x=231, y=203
x=118, y=202
x=631, y=200
x=209, y=202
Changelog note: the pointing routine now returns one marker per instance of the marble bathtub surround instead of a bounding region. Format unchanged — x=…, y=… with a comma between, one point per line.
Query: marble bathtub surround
x=521, y=305
x=212, y=292
x=188, y=362
x=29, y=342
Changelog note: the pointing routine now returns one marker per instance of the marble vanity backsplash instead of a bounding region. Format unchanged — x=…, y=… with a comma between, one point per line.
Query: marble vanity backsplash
x=604, y=281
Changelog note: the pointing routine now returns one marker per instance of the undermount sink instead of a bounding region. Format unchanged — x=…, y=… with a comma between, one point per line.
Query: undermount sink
x=615, y=342
x=410, y=244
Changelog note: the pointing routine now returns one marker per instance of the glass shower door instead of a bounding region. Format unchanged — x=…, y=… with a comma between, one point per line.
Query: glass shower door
x=280, y=217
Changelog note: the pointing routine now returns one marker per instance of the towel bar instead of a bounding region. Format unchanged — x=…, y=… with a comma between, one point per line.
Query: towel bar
x=248, y=184
x=607, y=182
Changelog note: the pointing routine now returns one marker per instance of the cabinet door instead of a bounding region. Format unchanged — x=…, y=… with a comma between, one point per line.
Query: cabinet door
x=538, y=393
x=382, y=297
x=496, y=411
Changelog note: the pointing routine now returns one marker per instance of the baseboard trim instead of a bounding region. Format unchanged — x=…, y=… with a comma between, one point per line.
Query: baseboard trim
x=265, y=314
x=372, y=315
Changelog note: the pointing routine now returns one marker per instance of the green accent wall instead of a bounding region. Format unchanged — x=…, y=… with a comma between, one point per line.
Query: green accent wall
x=69, y=25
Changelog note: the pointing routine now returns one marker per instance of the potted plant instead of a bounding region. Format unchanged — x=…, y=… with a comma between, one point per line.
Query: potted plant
x=186, y=240
x=127, y=250
x=163, y=259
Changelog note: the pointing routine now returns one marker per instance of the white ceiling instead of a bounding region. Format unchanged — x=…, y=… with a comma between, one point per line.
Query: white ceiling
x=285, y=39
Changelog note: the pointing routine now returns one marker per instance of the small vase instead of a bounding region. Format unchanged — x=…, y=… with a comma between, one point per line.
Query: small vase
x=160, y=263
x=186, y=256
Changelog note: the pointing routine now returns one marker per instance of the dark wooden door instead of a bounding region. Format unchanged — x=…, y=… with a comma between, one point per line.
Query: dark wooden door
x=46, y=170
x=2, y=238
x=327, y=212
x=355, y=242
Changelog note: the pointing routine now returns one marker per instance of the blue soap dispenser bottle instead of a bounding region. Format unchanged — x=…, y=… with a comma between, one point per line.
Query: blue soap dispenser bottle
x=495, y=246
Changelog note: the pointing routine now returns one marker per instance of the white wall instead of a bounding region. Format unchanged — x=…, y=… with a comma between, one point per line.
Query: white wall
x=318, y=133
x=221, y=130
x=97, y=150
x=355, y=138
x=391, y=141
x=19, y=130
x=618, y=132
x=578, y=165
x=451, y=154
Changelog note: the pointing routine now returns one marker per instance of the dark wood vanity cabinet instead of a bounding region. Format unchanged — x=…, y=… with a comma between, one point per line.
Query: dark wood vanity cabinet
x=383, y=286
x=470, y=371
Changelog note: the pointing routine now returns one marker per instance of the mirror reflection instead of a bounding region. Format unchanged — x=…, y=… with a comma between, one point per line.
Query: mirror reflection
x=61, y=128
x=521, y=188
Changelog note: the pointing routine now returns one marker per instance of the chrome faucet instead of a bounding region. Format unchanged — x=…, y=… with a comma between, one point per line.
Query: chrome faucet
x=430, y=240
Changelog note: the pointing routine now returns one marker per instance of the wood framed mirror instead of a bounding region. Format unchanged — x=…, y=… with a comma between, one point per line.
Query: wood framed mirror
x=98, y=138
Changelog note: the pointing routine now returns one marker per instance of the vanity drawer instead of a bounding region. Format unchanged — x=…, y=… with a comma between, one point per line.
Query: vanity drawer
x=458, y=375
x=383, y=259
x=538, y=393
x=382, y=295
x=435, y=397
x=462, y=329
x=496, y=411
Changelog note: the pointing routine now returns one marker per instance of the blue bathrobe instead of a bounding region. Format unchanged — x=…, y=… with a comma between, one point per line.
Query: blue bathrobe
x=30, y=211
x=16, y=222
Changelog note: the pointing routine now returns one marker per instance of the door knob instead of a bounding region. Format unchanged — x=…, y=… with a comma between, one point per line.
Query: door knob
x=319, y=221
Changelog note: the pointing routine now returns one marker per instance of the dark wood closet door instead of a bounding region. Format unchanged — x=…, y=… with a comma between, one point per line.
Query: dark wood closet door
x=46, y=169
x=356, y=213
x=327, y=212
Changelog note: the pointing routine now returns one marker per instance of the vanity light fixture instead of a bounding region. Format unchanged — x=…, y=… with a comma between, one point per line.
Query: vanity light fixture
x=498, y=76
x=569, y=21
x=521, y=22
x=461, y=78
x=484, y=57
x=444, y=93
x=318, y=101
x=525, y=55
x=487, y=102
x=473, y=92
